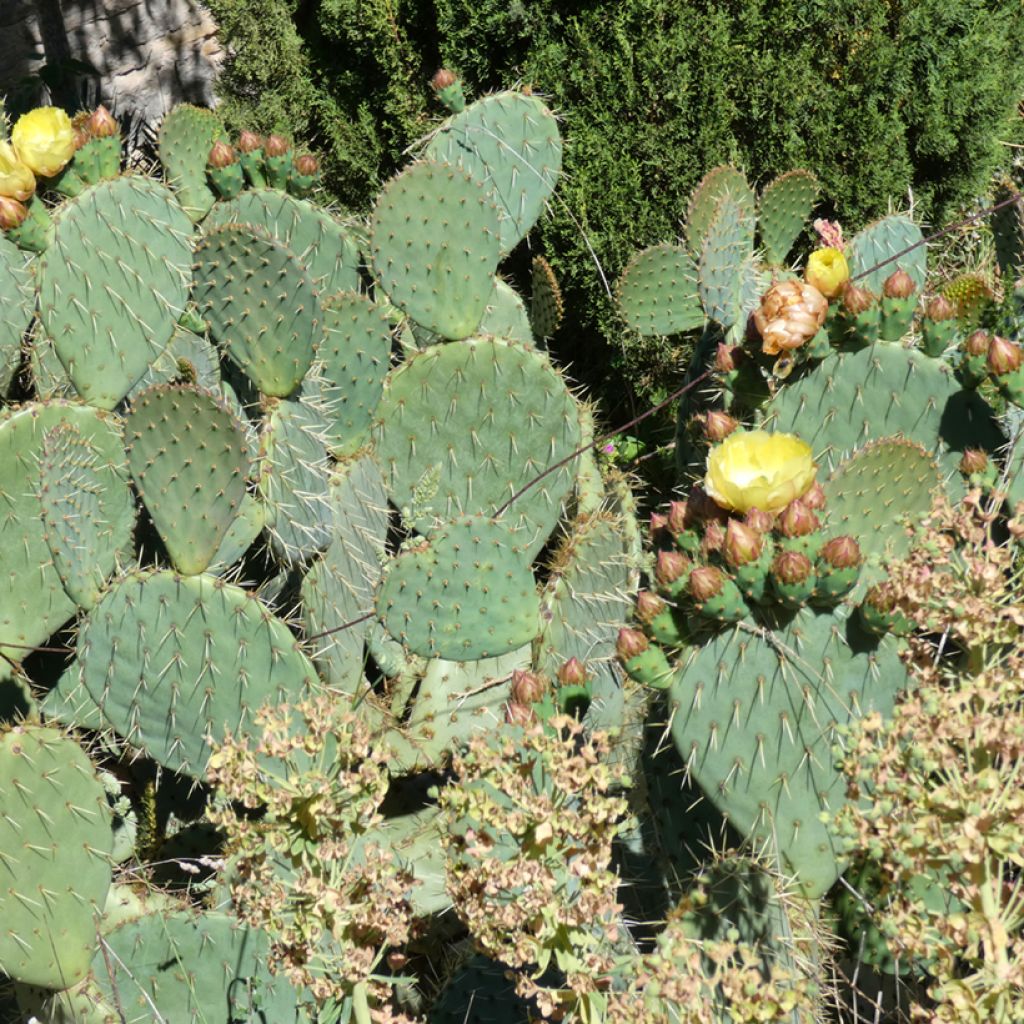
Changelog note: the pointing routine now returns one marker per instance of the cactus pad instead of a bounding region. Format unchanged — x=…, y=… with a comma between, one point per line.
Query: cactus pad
x=465, y=593
x=658, y=294
x=17, y=304
x=484, y=418
x=186, y=137
x=187, y=454
x=754, y=715
x=89, y=514
x=718, y=182
x=173, y=661
x=881, y=241
x=726, y=276
x=783, y=212
x=435, y=242
x=113, y=284
x=507, y=142
x=320, y=243
x=260, y=304
x=55, y=868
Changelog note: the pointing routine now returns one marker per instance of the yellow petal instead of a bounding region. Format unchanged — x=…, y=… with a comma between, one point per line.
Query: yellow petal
x=16, y=180
x=44, y=139
x=756, y=469
x=828, y=271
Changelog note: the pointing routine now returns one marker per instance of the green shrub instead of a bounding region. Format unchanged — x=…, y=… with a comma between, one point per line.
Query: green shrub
x=882, y=100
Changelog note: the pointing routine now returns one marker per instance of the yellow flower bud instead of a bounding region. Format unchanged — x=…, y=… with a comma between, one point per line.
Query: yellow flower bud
x=827, y=270
x=755, y=469
x=16, y=180
x=44, y=139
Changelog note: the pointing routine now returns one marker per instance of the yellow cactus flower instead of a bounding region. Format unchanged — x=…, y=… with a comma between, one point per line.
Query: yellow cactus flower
x=16, y=180
x=44, y=139
x=828, y=271
x=756, y=469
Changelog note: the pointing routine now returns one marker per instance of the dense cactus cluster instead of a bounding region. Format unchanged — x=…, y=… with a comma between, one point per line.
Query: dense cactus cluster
x=312, y=665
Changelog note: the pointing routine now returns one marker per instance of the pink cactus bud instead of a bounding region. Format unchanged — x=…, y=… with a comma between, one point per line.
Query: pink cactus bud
x=857, y=300
x=939, y=309
x=519, y=714
x=249, y=142
x=101, y=124
x=573, y=672
x=706, y=582
x=658, y=523
x=221, y=155
x=725, y=358
x=12, y=213
x=791, y=567
x=814, y=497
x=276, y=146
x=1004, y=356
x=527, y=687
x=718, y=426
x=841, y=553
x=977, y=343
x=307, y=165
x=679, y=517
x=714, y=537
x=797, y=520
x=443, y=79
x=974, y=461
x=669, y=566
x=742, y=544
x=648, y=606
x=759, y=520
x=899, y=285
x=630, y=643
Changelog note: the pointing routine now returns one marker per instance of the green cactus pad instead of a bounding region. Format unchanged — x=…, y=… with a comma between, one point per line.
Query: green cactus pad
x=717, y=183
x=586, y=600
x=113, y=283
x=456, y=701
x=754, y=715
x=324, y=248
x=186, y=137
x=185, y=967
x=187, y=356
x=465, y=593
x=293, y=478
x=725, y=265
x=658, y=294
x=186, y=452
x=355, y=356
x=506, y=315
x=874, y=493
x=546, y=305
x=260, y=304
x=55, y=867
x=881, y=241
x=508, y=143
x=435, y=243
x=483, y=418
x=17, y=304
x=783, y=212
x=339, y=586
x=88, y=513
x=173, y=661
x=33, y=601
x=882, y=391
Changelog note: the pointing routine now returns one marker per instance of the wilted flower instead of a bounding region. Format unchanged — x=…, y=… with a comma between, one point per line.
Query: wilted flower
x=16, y=179
x=756, y=469
x=790, y=314
x=44, y=140
x=828, y=271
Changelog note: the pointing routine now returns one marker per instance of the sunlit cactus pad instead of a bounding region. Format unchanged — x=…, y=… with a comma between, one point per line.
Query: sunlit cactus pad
x=55, y=868
x=173, y=661
x=484, y=418
x=657, y=292
x=465, y=593
x=509, y=143
x=435, y=243
x=113, y=283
